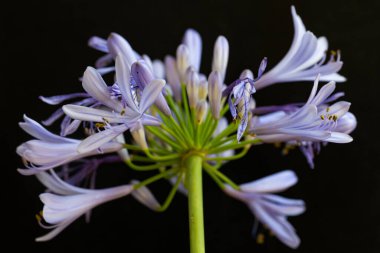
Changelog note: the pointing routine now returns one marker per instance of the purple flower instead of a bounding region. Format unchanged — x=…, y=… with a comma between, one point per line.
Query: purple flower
x=129, y=113
x=314, y=121
x=272, y=210
x=305, y=59
x=62, y=210
x=49, y=151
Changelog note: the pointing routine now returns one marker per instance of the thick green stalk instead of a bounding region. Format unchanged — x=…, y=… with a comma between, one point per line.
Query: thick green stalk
x=194, y=185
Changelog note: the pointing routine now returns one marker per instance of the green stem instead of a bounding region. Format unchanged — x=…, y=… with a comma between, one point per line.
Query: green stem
x=194, y=185
x=155, y=178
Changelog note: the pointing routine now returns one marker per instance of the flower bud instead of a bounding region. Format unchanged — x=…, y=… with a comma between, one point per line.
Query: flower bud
x=202, y=90
x=220, y=58
x=192, y=88
x=215, y=93
x=183, y=61
x=139, y=137
x=173, y=77
x=193, y=41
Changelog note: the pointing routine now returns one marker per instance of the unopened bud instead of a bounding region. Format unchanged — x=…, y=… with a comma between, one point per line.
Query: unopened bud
x=215, y=93
x=183, y=61
x=220, y=57
x=192, y=84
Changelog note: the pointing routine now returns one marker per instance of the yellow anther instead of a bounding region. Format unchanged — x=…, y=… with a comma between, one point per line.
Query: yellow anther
x=39, y=216
x=327, y=109
x=322, y=117
x=122, y=112
x=99, y=125
x=260, y=238
x=330, y=117
x=335, y=117
x=277, y=144
x=333, y=52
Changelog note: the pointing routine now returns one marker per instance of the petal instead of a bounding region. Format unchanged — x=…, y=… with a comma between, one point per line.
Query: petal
x=119, y=46
x=104, y=61
x=339, y=138
x=158, y=69
x=98, y=43
x=274, y=183
x=283, y=206
x=145, y=197
x=95, y=141
x=278, y=225
x=150, y=94
x=123, y=79
x=193, y=41
x=39, y=132
x=92, y=114
x=55, y=100
x=55, y=231
x=94, y=85
x=173, y=77
x=220, y=56
x=324, y=93
x=150, y=120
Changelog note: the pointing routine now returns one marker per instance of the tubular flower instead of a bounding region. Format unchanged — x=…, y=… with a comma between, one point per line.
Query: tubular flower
x=179, y=130
x=305, y=59
x=61, y=211
x=49, y=151
x=311, y=122
x=272, y=210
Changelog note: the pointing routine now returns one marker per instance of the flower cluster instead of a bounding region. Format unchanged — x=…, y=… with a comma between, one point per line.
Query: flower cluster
x=168, y=117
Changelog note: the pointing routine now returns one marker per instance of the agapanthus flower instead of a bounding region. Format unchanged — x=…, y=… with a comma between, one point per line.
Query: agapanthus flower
x=61, y=210
x=305, y=59
x=179, y=130
x=270, y=209
x=311, y=122
x=49, y=151
x=126, y=113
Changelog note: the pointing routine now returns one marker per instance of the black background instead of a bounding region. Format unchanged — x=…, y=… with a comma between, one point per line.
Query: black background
x=44, y=52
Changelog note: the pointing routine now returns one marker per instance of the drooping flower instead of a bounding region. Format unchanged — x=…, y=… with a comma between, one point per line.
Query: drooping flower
x=241, y=90
x=305, y=59
x=311, y=122
x=62, y=210
x=49, y=151
x=270, y=209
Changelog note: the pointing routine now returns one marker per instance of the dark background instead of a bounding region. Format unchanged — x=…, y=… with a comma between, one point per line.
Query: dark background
x=44, y=51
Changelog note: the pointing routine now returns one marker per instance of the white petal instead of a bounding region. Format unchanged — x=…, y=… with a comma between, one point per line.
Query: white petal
x=145, y=197
x=37, y=131
x=339, y=138
x=150, y=93
x=92, y=114
x=123, y=80
x=283, y=206
x=274, y=183
x=94, y=85
x=95, y=141
x=220, y=56
x=119, y=46
x=193, y=41
x=278, y=225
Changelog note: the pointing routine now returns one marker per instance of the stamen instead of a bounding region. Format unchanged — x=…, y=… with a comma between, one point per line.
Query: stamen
x=260, y=239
